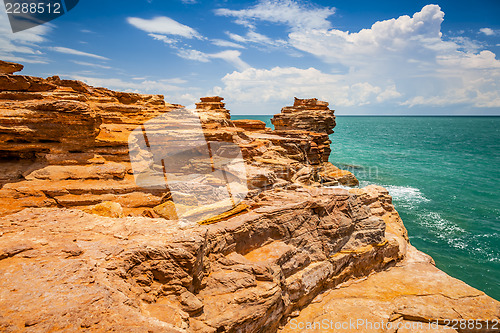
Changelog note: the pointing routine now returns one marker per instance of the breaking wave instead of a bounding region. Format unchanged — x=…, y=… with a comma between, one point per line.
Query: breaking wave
x=406, y=195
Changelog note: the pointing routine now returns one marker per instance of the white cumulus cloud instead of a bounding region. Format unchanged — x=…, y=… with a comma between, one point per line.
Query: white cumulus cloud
x=278, y=86
x=403, y=61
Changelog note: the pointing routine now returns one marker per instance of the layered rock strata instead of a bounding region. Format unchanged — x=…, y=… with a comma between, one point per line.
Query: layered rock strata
x=306, y=114
x=65, y=144
x=211, y=110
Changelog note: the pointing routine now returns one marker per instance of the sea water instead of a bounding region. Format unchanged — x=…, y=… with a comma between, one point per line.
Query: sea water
x=443, y=175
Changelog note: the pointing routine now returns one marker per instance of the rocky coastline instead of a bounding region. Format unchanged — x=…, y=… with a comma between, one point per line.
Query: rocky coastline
x=84, y=248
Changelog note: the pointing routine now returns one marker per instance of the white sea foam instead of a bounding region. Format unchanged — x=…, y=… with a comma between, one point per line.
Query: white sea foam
x=406, y=194
x=450, y=233
x=441, y=227
x=460, y=239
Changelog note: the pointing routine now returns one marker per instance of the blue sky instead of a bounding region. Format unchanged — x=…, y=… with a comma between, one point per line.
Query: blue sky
x=364, y=57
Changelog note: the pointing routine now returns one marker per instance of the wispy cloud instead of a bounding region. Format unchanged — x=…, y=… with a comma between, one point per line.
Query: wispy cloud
x=22, y=46
x=163, y=38
x=297, y=15
x=230, y=56
x=165, y=26
x=226, y=43
x=257, y=38
x=83, y=63
x=67, y=50
x=139, y=85
x=162, y=28
x=193, y=55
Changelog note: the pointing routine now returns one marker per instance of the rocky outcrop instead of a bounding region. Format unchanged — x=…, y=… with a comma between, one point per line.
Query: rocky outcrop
x=244, y=274
x=413, y=296
x=252, y=125
x=308, y=115
x=64, y=143
x=211, y=111
x=305, y=114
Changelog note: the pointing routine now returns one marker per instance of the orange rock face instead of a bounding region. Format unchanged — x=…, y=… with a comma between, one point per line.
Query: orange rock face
x=413, y=296
x=308, y=115
x=243, y=274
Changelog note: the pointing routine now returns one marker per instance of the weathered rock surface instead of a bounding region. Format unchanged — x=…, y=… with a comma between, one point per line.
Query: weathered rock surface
x=68, y=270
x=64, y=143
x=308, y=115
x=211, y=110
x=414, y=296
x=251, y=125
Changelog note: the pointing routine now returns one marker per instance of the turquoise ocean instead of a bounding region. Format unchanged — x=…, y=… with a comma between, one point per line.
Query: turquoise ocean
x=444, y=176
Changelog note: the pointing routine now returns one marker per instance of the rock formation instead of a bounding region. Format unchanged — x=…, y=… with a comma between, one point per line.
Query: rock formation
x=83, y=247
x=308, y=115
x=65, y=144
x=305, y=114
x=251, y=125
x=211, y=110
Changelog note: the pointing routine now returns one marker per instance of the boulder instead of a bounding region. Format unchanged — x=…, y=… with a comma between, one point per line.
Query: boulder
x=7, y=67
x=107, y=209
x=250, y=124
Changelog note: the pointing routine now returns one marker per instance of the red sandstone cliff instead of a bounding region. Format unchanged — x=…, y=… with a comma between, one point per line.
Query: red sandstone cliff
x=299, y=253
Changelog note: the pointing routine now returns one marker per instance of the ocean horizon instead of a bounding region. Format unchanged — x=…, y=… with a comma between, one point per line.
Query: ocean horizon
x=442, y=172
